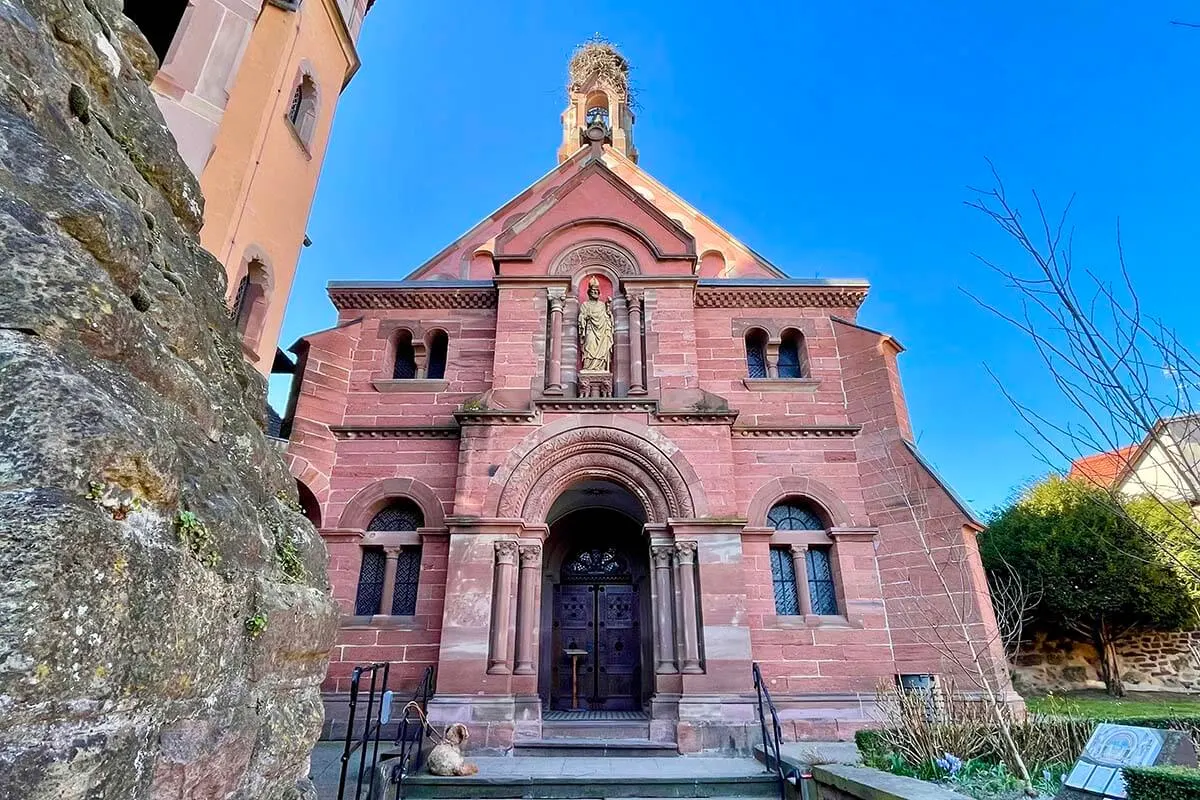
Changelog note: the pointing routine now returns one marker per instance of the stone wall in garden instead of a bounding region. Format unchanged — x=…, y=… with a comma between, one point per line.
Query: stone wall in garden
x=1167, y=661
x=165, y=616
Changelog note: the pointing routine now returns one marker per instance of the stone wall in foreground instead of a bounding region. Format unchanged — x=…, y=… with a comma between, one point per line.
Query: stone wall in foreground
x=164, y=608
x=1168, y=661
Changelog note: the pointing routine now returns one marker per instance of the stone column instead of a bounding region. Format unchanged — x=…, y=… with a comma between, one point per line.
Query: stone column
x=527, y=587
x=664, y=612
x=772, y=356
x=636, y=384
x=800, y=567
x=556, y=297
x=392, y=554
x=499, y=654
x=619, y=366
x=685, y=562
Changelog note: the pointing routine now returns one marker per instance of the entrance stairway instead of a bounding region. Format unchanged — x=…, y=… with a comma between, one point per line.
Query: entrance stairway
x=603, y=777
x=595, y=733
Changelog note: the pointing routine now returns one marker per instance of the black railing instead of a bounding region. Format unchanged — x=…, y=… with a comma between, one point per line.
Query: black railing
x=371, y=726
x=772, y=755
x=409, y=754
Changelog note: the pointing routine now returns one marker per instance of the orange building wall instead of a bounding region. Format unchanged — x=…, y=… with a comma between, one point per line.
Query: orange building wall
x=259, y=177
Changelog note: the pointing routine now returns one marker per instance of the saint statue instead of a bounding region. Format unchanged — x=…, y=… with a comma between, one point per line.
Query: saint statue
x=595, y=330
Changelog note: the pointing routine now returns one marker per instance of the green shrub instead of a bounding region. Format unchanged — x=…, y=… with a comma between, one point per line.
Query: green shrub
x=1162, y=783
x=871, y=743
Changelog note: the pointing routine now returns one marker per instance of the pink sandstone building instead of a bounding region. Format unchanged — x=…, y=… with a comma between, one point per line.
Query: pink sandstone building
x=597, y=457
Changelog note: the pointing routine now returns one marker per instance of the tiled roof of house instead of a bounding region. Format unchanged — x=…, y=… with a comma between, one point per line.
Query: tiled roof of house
x=1102, y=469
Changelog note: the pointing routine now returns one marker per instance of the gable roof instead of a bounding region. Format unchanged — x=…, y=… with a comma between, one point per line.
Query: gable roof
x=469, y=256
x=1102, y=469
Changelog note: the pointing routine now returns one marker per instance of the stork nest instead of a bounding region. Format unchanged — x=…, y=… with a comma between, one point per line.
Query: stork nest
x=598, y=59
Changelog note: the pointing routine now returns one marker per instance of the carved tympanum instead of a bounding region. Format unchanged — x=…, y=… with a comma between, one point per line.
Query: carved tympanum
x=589, y=255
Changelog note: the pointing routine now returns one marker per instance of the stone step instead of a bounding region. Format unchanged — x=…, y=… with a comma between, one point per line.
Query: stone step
x=596, y=729
x=599, y=747
x=546, y=778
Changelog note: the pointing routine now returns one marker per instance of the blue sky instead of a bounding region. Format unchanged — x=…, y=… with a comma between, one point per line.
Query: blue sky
x=837, y=139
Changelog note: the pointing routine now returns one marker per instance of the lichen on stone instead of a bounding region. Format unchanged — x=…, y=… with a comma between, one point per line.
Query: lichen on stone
x=132, y=462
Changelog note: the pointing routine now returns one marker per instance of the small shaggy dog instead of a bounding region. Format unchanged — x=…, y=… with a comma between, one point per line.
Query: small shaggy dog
x=446, y=758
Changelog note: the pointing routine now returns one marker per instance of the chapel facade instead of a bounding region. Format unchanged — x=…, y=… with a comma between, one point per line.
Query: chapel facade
x=597, y=457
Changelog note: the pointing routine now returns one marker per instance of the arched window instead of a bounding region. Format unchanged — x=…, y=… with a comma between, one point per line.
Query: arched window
x=438, y=342
x=406, y=356
x=400, y=515
x=239, y=310
x=796, y=515
x=819, y=587
x=597, y=111
x=303, y=111
x=791, y=348
x=248, y=306
x=756, y=353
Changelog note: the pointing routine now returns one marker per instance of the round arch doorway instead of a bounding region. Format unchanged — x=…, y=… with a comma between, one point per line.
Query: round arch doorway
x=596, y=627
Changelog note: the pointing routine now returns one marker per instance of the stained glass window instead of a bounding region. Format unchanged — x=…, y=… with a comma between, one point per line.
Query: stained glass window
x=399, y=515
x=406, y=358
x=437, y=356
x=370, y=582
x=596, y=564
x=756, y=354
x=795, y=515
x=408, y=571
x=783, y=576
x=789, y=356
x=820, y=581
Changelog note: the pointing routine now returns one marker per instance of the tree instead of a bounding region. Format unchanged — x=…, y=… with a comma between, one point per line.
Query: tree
x=1124, y=372
x=1102, y=576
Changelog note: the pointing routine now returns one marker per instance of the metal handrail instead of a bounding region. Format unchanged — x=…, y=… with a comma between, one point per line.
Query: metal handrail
x=410, y=735
x=371, y=725
x=771, y=745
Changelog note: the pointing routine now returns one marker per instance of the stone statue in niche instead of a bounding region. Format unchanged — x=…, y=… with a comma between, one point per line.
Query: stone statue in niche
x=595, y=331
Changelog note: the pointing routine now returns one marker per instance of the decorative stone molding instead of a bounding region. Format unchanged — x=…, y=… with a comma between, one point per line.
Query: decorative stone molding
x=595, y=254
x=780, y=297
x=696, y=417
x=605, y=404
x=395, y=432
x=497, y=417
x=599, y=452
x=374, y=496
x=344, y=298
x=799, y=431
x=410, y=385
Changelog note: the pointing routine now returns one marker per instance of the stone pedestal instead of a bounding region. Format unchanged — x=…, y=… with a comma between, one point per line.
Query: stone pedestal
x=593, y=383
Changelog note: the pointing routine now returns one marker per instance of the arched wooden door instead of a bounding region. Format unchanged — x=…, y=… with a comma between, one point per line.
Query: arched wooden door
x=596, y=625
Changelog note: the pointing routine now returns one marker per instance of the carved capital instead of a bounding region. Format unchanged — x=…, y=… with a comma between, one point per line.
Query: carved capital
x=531, y=555
x=634, y=299
x=685, y=552
x=556, y=295
x=661, y=553
x=506, y=552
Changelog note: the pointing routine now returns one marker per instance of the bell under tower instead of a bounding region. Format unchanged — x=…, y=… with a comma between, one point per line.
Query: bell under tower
x=598, y=101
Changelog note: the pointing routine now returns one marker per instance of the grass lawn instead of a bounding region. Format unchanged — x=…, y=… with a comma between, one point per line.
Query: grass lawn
x=1097, y=705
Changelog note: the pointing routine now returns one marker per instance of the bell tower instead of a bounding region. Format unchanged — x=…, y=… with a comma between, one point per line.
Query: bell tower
x=598, y=100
